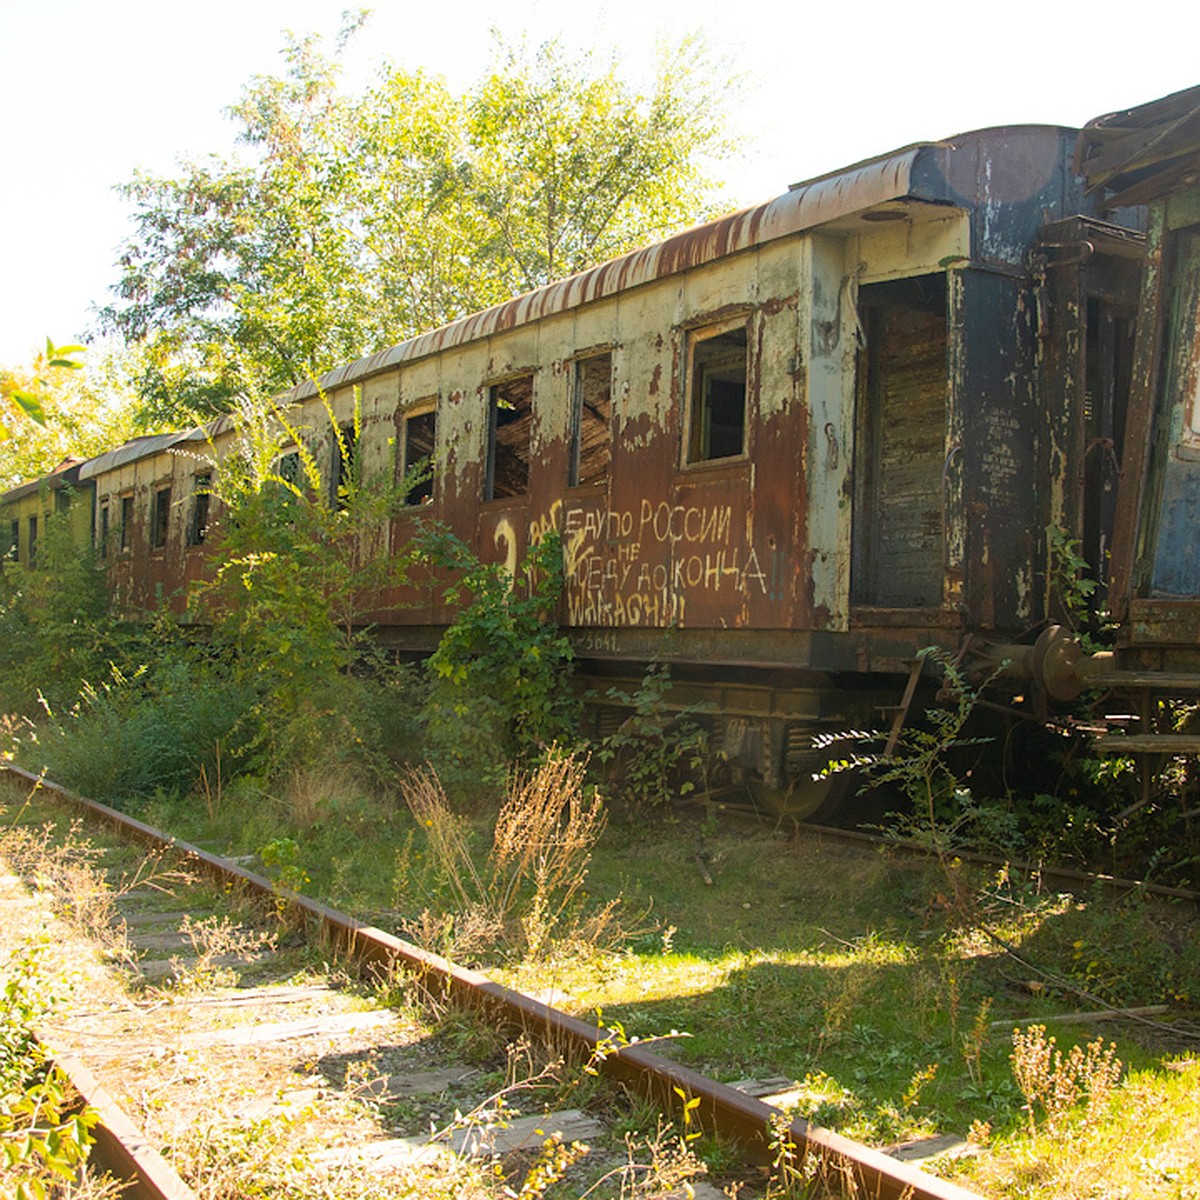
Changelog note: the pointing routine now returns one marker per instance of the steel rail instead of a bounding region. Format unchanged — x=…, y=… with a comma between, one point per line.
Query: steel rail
x=724, y=1110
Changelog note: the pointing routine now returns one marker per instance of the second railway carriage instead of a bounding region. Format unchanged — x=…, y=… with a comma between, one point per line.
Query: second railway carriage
x=785, y=450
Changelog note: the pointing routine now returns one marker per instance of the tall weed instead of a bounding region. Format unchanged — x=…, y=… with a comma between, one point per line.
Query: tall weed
x=529, y=891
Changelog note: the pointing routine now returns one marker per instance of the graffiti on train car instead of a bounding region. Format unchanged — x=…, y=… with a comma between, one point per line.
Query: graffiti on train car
x=616, y=572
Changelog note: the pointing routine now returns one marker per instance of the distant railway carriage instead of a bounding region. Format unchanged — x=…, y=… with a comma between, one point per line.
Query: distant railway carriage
x=785, y=450
x=25, y=512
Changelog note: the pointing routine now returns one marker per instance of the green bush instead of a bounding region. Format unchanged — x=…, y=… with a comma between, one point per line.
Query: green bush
x=499, y=681
x=155, y=730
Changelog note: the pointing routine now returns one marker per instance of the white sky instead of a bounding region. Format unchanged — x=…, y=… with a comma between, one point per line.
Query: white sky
x=93, y=89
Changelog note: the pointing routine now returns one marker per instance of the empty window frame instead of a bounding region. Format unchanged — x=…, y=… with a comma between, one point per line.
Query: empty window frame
x=102, y=536
x=344, y=474
x=126, y=523
x=716, y=393
x=287, y=467
x=418, y=441
x=591, y=420
x=198, y=520
x=14, y=541
x=31, y=544
x=160, y=518
x=510, y=437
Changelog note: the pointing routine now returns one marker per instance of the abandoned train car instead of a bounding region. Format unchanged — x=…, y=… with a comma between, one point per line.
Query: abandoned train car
x=785, y=450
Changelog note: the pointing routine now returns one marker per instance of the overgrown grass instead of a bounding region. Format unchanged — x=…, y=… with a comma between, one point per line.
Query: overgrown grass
x=848, y=972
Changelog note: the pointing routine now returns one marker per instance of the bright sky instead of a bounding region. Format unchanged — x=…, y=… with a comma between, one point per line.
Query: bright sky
x=93, y=89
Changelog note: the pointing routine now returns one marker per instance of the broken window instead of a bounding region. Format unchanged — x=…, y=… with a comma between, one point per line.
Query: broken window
x=31, y=555
x=198, y=521
x=716, y=394
x=126, y=522
x=591, y=421
x=104, y=530
x=344, y=476
x=510, y=436
x=416, y=455
x=14, y=541
x=160, y=518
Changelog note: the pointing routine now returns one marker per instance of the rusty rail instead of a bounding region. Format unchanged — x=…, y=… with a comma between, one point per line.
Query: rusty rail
x=724, y=1109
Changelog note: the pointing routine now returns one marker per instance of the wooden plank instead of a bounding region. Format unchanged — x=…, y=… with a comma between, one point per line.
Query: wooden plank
x=1148, y=743
x=472, y=1141
x=921, y=1150
x=285, y=1031
x=418, y=1083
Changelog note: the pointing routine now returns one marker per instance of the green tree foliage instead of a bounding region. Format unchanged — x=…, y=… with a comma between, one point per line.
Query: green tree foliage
x=296, y=569
x=354, y=221
x=61, y=406
x=27, y=399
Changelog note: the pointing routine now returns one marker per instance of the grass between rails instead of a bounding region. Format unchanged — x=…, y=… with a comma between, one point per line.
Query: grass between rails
x=850, y=973
x=195, y=1107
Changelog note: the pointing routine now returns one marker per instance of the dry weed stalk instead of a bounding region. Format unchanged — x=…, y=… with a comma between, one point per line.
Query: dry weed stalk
x=1056, y=1084
x=214, y=939
x=541, y=847
x=426, y=799
x=544, y=836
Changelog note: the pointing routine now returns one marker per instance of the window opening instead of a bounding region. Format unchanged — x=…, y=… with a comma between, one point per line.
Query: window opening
x=201, y=495
x=717, y=399
x=126, y=522
x=33, y=536
x=510, y=425
x=591, y=421
x=104, y=531
x=345, y=466
x=160, y=520
x=420, y=441
x=14, y=541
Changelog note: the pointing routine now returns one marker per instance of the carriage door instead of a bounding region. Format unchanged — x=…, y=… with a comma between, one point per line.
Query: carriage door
x=900, y=445
x=1108, y=373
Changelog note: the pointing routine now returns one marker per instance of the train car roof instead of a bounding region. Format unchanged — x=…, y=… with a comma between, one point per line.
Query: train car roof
x=135, y=449
x=944, y=173
x=1140, y=154
x=66, y=474
x=929, y=176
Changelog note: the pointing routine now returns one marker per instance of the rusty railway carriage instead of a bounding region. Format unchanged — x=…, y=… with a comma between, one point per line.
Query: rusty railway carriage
x=788, y=449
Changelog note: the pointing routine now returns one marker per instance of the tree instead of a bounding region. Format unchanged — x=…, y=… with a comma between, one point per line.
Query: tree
x=25, y=397
x=357, y=221
x=65, y=408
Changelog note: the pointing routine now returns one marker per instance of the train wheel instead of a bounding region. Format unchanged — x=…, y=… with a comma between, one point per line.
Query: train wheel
x=818, y=800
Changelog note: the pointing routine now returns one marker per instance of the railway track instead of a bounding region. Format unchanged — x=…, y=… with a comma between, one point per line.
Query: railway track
x=293, y=1026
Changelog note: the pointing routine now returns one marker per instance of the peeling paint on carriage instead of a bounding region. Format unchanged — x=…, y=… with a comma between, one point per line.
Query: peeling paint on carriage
x=826, y=432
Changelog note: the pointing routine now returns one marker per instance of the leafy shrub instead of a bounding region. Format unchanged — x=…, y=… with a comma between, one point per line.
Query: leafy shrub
x=658, y=752
x=159, y=729
x=499, y=683
x=56, y=629
x=44, y=1137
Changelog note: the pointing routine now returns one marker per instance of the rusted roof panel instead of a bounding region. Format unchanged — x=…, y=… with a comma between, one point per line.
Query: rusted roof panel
x=804, y=207
x=131, y=451
x=1142, y=153
x=66, y=474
